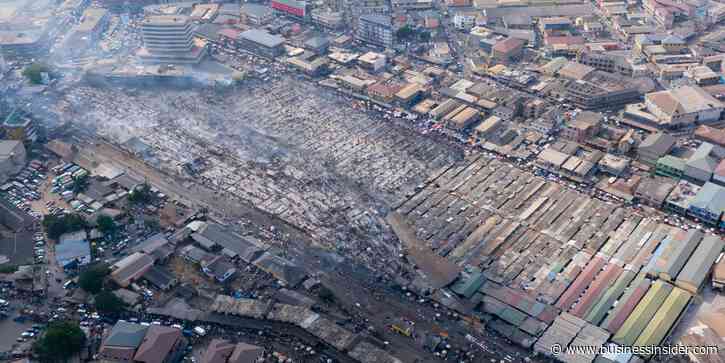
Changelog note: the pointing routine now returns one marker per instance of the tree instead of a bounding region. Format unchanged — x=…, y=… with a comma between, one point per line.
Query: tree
x=140, y=195
x=106, y=224
x=404, y=32
x=80, y=183
x=108, y=303
x=424, y=36
x=8, y=269
x=91, y=279
x=60, y=342
x=326, y=294
x=34, y=72
x=56, y=226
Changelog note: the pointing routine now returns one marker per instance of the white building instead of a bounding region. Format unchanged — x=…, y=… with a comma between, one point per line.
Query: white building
x=682, y=107
x=169, y=39
x=464, y=21
x=12, y=158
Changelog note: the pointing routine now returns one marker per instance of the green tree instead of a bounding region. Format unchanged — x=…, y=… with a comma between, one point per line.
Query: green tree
x=108, y=303
x=80, y=183
x=8, y=269
x=60, y=342
x=326, y=294
x=106, y=224
x=91, y=280
x=56, y=226
x=424, y=36
x=404, y=32
x=140, y=195
x=33, y=72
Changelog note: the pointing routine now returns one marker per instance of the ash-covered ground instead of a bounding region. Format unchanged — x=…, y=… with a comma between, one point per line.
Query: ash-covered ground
x=287, y=147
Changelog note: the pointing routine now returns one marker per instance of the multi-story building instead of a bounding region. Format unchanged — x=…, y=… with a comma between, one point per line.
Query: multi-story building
x=600, y=90
x=582, y=126
x=12, y=158
x=169, y=39
x=683, y=107
x=261, y=43
x=464, y=21
x=19, y=126
x=255, y=14
x=375, y=29
x=670, y=166
x=295, y=8
x=708, y=204
x=411, y=4
x=654, y=147
x=84, y=35
x=327, y=18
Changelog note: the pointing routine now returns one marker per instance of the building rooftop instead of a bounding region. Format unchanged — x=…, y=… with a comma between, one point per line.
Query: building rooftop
x=157, y=344
x=683, y=100
x=91, y=18
x=125, y=334
x=166, y=20
x=262, y=37
x=377, y=19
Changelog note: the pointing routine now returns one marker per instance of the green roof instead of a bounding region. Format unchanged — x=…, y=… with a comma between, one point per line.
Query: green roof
x=469, y=283
x=672, y=162
x=512, y=316
x=642, y=313
x=15, y=118
x=665, y=317
x=600, y=309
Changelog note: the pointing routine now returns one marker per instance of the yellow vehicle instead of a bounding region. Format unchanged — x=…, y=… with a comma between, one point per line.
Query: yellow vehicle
x=402, y=331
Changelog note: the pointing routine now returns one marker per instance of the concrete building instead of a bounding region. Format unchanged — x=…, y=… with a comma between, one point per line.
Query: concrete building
x=222, y=351
x=683, y=107
x=654, y=147
x=84, y=35
x=261, y=43
x=583, y=126
x=653, y=191
x=670, y=166
x=372, y=61
x=131, y=268
x=327, y=18
x=464, y=21
x=508, y=49
x=19, y=126
x=294, y=8
x=256, y=15
x=73, y=250
x=709, y=204
x=375, y=29
x=598, y=89
x=411, y=4
x=169, y=39
x=701, y=164
x=12, y=158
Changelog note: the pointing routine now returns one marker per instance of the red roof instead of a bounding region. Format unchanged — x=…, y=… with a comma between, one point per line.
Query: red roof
x=508, y=45
x=601, y=283
x=230, y=33
x=564, y=40
x=582, y=281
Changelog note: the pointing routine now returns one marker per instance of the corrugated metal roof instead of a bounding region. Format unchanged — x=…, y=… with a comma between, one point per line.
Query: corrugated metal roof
x=676, y=253
x=699, y=265
x=597, y=288
x=643, y=313
x=581, y=282
x=626, y=304
x=600, y=309
x=666, y=316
